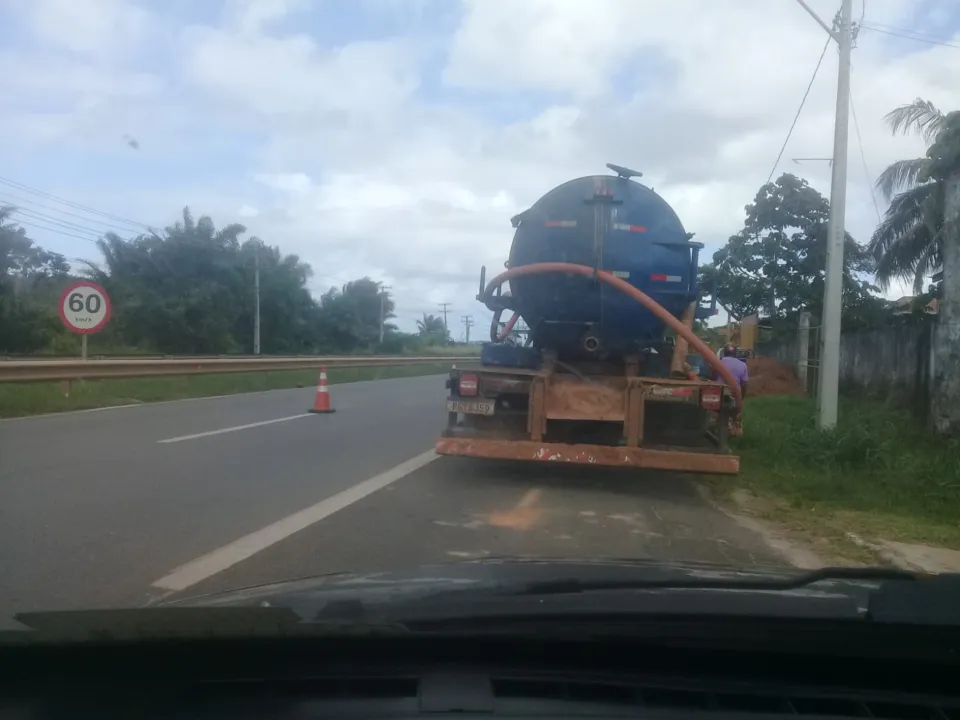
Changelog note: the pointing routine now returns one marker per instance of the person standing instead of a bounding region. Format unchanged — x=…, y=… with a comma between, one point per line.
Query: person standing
x=737, y=367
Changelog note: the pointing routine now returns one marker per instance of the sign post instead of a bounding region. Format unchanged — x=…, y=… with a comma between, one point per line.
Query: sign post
x=84, y=309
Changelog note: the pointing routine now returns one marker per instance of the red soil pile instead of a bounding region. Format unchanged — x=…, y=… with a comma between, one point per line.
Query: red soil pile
x=770, y=377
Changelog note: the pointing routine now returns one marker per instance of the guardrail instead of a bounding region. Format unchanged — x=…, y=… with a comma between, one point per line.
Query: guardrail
x=41, y=370
x=168, y=356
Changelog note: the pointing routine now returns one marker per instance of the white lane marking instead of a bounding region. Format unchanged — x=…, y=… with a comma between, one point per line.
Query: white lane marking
x=218, y=560
x=70, y=412
x=235, y=428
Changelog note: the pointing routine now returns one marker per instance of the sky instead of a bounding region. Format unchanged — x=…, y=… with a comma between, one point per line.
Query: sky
x=396, y=138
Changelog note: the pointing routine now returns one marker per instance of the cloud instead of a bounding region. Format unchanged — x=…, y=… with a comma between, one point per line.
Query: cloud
x=396, y=139
x=92, y=27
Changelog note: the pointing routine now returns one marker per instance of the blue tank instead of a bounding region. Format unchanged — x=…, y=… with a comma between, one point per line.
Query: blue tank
x=609, y=223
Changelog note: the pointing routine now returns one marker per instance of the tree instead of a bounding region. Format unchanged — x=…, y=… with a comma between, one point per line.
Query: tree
x=351, y=315
x=30, y=280
x=189, y=289
x=907, y=243
x=288, y=313
x=432, y=330
x=774, y=265
x=180, y=291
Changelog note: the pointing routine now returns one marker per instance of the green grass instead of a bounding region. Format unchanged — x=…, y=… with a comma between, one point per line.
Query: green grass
x=879, y=473
x=19, y=399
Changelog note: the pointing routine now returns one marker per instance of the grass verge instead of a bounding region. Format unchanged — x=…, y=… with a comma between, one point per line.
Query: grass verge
x=879, y=473
x=20, y=399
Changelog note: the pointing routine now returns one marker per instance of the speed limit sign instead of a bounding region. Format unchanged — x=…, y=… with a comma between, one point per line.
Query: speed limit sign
x=84, y=308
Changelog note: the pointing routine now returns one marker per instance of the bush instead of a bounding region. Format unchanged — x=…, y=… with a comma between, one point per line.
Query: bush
x=878, y=458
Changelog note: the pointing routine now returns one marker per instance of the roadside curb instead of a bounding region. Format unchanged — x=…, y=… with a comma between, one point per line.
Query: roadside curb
x=881, y=552
x=789, y=550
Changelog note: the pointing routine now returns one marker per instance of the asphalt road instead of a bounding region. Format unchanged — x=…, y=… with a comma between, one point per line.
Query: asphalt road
x=126, y=506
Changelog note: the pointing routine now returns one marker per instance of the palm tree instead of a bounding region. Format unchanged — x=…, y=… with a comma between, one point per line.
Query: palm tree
x=432, y=329
x=906, y=244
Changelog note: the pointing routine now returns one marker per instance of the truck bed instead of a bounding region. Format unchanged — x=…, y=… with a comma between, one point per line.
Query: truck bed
x=590, y=416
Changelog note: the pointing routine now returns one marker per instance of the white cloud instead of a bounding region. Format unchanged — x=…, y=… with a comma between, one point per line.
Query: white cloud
x=92, y=27
x=375, y=154
x=251, y=16
x=559, y=45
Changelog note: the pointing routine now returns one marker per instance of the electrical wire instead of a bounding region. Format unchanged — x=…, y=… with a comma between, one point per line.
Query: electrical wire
x=909, y=35
x=34, y=191
x=17, y=200
x=39, y=220
x=863, y=158
x=33, y=224
x=799, y=109
x=56, y=221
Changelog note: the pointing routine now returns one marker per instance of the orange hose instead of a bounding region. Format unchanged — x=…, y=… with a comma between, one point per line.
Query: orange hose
x=638, y=295
x=508, y=327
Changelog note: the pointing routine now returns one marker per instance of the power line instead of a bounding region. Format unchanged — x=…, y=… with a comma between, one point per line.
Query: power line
x=17, y=200
x=863, y=158
x=56, y=221
x=800, y=109
x=909, y=35
x=911, y=31
x=70, y=203
x=54, y=230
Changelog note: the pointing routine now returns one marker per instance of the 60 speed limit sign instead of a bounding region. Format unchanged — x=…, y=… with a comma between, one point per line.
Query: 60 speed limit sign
x=84, y=308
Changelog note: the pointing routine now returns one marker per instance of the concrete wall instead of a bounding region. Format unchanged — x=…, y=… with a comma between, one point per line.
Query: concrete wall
x=893, y=362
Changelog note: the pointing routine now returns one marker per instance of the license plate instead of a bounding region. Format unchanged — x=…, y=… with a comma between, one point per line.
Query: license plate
x=471, y=407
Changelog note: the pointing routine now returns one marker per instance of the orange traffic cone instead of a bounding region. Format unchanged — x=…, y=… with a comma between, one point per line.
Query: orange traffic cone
x=321, y=403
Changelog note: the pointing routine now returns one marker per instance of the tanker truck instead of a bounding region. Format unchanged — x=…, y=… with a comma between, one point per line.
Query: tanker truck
x=604, y=275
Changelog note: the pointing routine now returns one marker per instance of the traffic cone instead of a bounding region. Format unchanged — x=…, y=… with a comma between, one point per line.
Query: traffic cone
x=321, y=403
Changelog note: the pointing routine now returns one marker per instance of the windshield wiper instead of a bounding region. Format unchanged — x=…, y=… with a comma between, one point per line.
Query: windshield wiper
x=708, y=580
x=875, y=594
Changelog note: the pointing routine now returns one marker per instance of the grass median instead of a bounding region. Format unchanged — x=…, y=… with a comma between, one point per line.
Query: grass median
x=21, y=399
x=880, y=473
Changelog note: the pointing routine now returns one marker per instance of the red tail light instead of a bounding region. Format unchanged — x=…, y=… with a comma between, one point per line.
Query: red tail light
x=469, y=384
x=710, y=398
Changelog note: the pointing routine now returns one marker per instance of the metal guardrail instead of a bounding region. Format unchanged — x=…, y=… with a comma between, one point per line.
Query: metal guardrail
x=41, y=370
x=161, y=356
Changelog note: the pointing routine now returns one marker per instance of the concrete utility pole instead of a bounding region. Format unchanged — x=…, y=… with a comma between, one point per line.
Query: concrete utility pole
x=383, y=296
x=945, y=409
x=829, y=379
x=803, y=348
x=256, y=294
x=467, y=324
x=443, y=309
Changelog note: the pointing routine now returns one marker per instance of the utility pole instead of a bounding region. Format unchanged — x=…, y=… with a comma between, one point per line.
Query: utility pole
x=945, y=385
x=467, y=324
x=836, y=232
x=383, y=296
x=256, y=294
x=443, y=309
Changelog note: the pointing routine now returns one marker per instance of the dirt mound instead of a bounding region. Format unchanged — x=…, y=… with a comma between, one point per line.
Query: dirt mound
x=770, y=377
